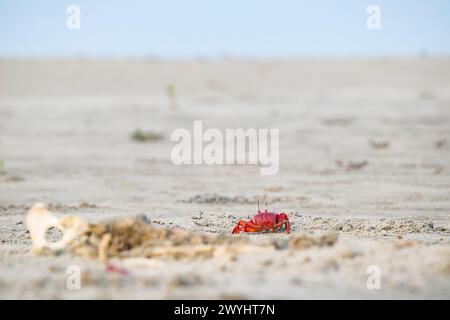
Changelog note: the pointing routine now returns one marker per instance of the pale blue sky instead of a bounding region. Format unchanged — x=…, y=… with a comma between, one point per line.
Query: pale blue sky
x=208, y=28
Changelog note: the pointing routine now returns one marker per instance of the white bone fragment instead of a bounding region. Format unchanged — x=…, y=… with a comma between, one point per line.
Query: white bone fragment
x=39, y=220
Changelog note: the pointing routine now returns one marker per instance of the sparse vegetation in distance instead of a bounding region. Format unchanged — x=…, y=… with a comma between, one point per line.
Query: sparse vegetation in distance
x=146, y=136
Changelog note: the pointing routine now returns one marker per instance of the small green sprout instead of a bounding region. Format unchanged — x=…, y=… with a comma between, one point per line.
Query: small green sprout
x=172, y=96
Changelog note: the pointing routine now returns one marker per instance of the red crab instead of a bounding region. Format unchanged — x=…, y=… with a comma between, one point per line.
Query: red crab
x=263, y=221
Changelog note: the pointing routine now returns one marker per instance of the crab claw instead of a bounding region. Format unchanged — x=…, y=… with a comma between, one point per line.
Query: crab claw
x=283, y=219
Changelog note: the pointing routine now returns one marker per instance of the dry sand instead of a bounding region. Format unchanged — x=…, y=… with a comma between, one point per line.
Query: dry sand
x=364, y=152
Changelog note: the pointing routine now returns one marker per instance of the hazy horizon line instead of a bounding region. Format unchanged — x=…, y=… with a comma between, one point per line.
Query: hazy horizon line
x=224, y=57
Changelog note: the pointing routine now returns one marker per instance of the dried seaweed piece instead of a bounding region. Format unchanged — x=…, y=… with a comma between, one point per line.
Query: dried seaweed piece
x=352, y=165
x=379, y=144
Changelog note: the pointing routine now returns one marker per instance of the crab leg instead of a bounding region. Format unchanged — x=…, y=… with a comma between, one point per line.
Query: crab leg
x=286, y=226
x=243, y=226
x=281, y=224
x=278, y=226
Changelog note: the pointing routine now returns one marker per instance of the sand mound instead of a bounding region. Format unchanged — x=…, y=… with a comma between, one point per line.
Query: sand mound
x=137, y=237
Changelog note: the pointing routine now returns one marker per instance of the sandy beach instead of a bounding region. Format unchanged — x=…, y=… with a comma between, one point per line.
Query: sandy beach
x=364, y=154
